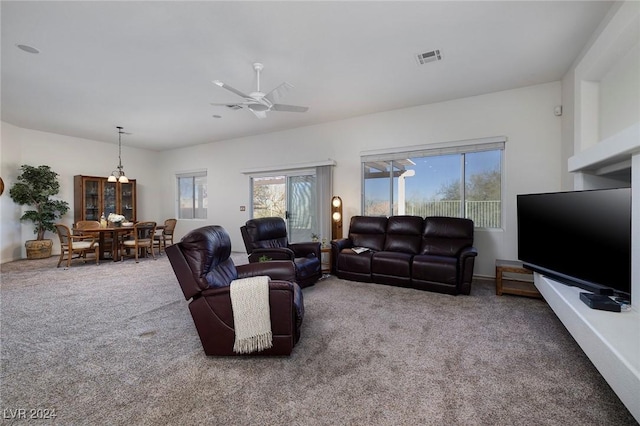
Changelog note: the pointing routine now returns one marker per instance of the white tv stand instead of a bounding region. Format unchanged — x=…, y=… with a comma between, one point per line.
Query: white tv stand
x=611, y=340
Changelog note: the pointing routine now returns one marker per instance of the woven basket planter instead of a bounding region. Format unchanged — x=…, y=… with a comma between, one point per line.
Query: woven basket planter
x=38, y=249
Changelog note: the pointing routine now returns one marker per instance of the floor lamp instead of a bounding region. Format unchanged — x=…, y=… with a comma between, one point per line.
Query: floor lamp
x=336, y=218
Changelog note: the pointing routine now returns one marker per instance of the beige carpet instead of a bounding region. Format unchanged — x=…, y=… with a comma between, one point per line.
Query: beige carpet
x=115, y=344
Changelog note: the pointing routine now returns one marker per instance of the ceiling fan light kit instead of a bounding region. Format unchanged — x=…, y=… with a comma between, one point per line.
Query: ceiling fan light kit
x=258, y=102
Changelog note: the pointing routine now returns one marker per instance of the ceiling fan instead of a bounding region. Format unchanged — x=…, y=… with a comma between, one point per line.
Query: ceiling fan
x=258, y=102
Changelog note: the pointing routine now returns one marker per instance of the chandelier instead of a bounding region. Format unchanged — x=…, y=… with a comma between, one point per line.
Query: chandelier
x=118, y=175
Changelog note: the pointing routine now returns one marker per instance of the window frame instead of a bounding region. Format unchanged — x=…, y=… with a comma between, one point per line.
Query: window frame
x=439, y=149
x=191, y=175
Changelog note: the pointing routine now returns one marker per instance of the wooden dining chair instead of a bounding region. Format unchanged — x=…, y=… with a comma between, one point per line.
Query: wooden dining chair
x=166, y=235
x=142, y=241
x=81, y=225
x=86, y=224
x=78, y=244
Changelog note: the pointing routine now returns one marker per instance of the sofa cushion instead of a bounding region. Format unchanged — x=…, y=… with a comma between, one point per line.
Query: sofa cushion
x=368, y=231
x=446, y=236
x=404, y=234
x=391, y=263
x=442, y=269
x=353, y=262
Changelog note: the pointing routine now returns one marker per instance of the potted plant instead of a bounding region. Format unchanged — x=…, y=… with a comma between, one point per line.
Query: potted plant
x=34, y=187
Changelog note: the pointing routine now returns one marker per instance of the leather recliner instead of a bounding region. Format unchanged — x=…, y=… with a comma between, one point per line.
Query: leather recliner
x=266, y=238
x=202, y=264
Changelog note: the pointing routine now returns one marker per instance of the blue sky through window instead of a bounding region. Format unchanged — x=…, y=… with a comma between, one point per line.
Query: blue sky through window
x=434, y=172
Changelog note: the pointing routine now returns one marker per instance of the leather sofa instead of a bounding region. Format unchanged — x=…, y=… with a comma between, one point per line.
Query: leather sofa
x=204, y=269
x=435, y=253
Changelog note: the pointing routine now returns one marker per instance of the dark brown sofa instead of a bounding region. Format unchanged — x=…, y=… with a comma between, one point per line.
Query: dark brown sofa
x=204, y=270
x=435, y=253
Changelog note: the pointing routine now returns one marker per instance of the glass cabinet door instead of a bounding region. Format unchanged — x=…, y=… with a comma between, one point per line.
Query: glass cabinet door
x=109, y=198
x=127, y=201
x=94, y=195
x=92, y=199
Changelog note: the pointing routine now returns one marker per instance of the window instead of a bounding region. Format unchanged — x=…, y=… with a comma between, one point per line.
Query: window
x=455, y=181
x=192, y=195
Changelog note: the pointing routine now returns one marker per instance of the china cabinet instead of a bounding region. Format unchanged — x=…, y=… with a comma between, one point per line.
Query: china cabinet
x=95, y=195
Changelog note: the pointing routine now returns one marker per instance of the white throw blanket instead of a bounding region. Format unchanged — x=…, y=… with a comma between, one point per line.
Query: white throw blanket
x=251, y=314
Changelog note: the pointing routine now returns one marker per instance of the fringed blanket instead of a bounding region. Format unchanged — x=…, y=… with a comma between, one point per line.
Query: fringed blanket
x=251, y=315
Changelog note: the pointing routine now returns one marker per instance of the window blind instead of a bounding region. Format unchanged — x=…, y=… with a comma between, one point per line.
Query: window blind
x=445, y=148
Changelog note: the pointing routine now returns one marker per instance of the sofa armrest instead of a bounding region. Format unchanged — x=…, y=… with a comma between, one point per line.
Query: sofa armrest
x=298, y=303
x=273, y=253
x=277, y=270
x=466, y=261
x=468, y=252
x=282, y=294
x=337, y=246
x=341, y=243
x=305, y=249
x=213, y=316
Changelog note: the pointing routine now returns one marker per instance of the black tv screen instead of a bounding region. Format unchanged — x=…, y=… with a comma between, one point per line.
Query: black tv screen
x=580, y=238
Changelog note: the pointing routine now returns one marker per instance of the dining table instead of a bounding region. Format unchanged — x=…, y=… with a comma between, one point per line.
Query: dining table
x=115, y=232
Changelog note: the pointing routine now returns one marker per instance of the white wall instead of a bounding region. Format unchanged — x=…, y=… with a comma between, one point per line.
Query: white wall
x=67, y=156
x=619, y=103
x=532, y=156
x=533, y=161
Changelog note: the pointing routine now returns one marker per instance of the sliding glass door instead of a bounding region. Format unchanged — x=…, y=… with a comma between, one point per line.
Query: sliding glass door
x=291, y=196
x=301, y=207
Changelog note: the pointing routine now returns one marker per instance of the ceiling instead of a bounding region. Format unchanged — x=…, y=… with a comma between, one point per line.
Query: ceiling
x=148, y=66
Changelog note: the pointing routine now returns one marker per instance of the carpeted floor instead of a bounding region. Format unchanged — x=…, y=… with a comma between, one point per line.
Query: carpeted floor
x=115, y=344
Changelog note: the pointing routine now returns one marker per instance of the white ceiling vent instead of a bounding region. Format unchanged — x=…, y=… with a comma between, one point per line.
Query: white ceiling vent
x=426, y=57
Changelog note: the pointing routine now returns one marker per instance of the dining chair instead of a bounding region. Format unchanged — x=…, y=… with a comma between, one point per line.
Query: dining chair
x=79, y=244
x=166, y=234
x=87, y=224
x=142, y=242
x=93, y=224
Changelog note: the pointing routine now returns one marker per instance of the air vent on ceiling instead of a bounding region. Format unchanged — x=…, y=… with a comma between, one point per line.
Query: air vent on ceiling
x=433, y=55
x=234, y=107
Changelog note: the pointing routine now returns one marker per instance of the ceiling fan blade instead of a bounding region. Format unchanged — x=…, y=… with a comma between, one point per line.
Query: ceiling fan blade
x=231, y=104
x=289, y=108
x=277, y=94
x=231, y=89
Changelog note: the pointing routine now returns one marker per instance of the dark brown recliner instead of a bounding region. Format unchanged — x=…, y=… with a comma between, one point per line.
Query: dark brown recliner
x=204, y=270
x=267, y=237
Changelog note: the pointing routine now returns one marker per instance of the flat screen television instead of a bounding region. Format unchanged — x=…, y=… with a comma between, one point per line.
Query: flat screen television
x=580, y=238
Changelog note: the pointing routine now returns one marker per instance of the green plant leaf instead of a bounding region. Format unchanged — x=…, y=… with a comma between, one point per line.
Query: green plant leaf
x=34, y=187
